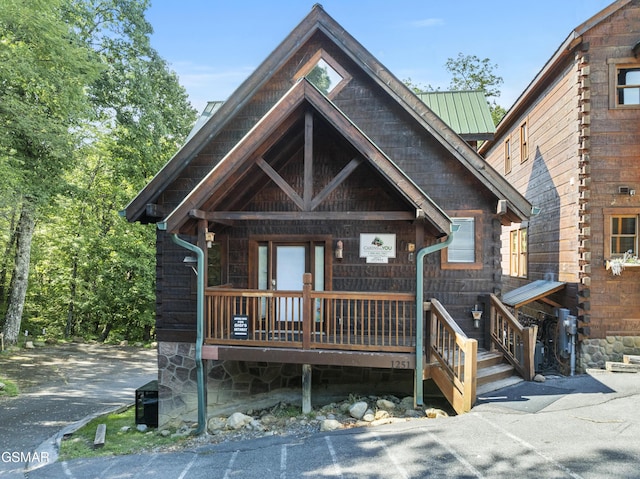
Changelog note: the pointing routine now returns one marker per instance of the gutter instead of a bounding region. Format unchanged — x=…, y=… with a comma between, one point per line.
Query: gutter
x=202, y=404
x=418, y=399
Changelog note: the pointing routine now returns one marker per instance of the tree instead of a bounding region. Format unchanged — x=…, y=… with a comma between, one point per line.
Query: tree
x=44, y=69
x=95, y=271
x=471, y=73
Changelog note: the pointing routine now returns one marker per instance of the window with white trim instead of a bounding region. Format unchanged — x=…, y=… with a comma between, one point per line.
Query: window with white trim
x=465, y=250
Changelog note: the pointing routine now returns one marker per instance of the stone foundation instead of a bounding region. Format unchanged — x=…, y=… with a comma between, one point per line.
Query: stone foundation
x=228, y=381
x=594, y=353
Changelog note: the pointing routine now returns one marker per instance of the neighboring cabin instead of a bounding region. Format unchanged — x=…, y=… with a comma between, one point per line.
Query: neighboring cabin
x=571, y=145
x=312, y=193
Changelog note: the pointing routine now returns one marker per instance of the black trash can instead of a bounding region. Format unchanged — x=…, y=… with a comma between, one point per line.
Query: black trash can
x=147, y=404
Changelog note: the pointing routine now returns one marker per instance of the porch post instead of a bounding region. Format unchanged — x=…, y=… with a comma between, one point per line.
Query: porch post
x=306, y=388
x=307, y=311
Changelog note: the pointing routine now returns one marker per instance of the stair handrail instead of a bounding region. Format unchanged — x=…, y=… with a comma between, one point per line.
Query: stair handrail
x=515, y=341
x=452, y=358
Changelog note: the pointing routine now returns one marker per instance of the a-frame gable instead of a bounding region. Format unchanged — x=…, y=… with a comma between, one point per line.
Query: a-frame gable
x=300, y=102
x=319, y=21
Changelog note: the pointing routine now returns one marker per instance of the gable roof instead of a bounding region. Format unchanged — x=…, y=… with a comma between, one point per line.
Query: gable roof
x=564, y=51
x=235, y=166
x=319, y=20
x=466, y=112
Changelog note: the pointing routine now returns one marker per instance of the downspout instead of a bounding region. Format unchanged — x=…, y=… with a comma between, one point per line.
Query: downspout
x=202, y=405
x=418, y=399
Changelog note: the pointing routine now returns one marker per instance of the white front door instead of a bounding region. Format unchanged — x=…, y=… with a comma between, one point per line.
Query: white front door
x=291, y=264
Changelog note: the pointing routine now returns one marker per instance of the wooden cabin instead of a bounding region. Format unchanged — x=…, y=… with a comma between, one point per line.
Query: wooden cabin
x=316, y=206
x=571, y=145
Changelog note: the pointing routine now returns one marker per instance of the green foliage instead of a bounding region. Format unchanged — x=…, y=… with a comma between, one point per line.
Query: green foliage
x=44, y=70
x=117, y=440
x=471, y=73
x=92, y=274
x=10, y=388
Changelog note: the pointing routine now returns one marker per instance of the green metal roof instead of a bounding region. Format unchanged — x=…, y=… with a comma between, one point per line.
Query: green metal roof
x=466, y=112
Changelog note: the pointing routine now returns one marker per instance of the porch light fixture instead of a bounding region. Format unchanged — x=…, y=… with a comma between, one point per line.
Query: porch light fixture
x=477, y=316
x=190, y=262
x=339, y=249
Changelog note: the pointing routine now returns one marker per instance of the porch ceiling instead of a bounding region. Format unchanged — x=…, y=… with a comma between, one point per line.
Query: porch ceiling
x=283, y=135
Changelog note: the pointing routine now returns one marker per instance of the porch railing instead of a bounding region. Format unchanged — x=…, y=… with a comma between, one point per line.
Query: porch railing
x=452, y=357
x=311, y=319
x=516, y=342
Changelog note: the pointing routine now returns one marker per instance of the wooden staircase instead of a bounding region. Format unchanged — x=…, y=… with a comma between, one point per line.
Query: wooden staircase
x=494, y=372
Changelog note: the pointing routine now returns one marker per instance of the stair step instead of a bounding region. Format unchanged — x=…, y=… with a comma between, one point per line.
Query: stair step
x=494, y=373
x=495, y=385
x=489, y=358
x=631, y=359
x=622, y=367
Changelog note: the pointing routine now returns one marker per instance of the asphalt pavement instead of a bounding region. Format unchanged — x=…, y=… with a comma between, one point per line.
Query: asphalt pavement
x=61, y=386
x=585, y=426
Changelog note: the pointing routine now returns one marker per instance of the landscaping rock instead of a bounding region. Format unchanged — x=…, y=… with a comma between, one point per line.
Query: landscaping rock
x=539, y=378
x=2, y=386
x=29, y=345
x=330, y=425
x=141, y=427
x=358, y=409
x=216, y=424
x=238, y=420
x=433, y=413
x=385, y=404
x=369, y=416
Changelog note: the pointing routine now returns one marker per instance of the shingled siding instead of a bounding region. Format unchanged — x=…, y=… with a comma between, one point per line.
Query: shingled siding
x=415, y=151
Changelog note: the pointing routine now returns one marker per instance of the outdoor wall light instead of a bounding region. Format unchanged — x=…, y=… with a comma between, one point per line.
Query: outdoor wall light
x=477, y=315
x=190, y=262
x=339, y=249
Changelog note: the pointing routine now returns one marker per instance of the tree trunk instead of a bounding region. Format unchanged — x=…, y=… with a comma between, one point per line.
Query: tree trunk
x=71, y=321
x=20, y=279
x=6, y=261
x=105, y=333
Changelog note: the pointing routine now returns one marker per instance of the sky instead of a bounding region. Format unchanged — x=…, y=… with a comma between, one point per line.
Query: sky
x=214, y=45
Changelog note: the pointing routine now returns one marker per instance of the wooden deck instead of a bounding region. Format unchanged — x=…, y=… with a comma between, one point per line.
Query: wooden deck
x=358, y=329
x=354, y=321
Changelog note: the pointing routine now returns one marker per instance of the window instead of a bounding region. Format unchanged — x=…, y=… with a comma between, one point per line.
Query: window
x=628, y=86
x=465, y=251
x=624, y=235
x=507, y=156
x=621, y=231
x=624, y=83
x=325, y=73
x=524, y=142
x=518, y=253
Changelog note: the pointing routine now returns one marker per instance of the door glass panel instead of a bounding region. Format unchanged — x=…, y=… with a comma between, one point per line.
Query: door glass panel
x=290, y=267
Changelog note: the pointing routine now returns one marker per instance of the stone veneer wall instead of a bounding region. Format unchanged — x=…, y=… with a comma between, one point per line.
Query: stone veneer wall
x=594, y=353
x=232, y=380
